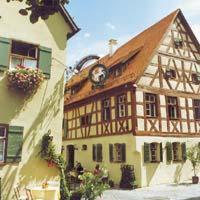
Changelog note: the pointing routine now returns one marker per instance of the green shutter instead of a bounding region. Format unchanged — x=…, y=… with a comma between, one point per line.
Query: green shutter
x=45, y=61
x=169, y=151
x=184, y=153
x=123, y=146
x=5, y=47
x=161, y=153
x=99, y=152
x=146, y=152
x=111, y=152
x=14, y=145
x=65, y=129
x=94, y=152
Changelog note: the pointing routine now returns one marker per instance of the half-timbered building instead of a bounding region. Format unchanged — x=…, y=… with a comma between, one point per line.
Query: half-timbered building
x=148, y=111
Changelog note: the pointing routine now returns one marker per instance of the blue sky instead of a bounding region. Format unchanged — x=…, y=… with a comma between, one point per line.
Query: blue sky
x=101, y=20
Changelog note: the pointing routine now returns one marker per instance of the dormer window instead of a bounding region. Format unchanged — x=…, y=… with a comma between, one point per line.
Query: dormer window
x=170, y=74
x=75, y=89
x=196, y=78
x=118, y=71
x=23, y=54
x=178, y=43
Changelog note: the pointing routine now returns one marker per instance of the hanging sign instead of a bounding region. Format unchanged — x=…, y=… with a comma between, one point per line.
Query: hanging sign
x=98, y=74
x=84, y=60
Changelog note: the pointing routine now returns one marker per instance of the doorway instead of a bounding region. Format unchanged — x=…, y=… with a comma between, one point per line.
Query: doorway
x=70, y=157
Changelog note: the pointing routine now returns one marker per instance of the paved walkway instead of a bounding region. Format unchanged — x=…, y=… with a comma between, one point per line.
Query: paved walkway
x=161, y=192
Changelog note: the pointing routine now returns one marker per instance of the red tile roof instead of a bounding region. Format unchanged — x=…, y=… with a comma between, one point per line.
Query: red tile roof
x=143, y=45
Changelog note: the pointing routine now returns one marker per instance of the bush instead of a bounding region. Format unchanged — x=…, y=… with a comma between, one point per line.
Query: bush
x=127, y=177
x=91, y=186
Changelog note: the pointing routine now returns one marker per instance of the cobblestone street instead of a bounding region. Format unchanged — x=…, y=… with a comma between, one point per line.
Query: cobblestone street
x=161, y=192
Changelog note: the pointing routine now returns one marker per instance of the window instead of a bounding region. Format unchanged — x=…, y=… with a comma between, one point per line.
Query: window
x=196, y=78
x=3, y=135
x=153, y=152
x=75, y=89
x=121, y=105
x=23, y=54
x=196, y=105
x=150, y=104
x=97, y=152
x=118, y=71
x=170, y=74
x=117, y=152
x=172, y=107
x=178, y=43
x=176, y=151
x=86, y=120
x=106, y=110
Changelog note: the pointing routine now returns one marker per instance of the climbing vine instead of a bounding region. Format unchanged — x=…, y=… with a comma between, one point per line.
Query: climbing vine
x=48, y=153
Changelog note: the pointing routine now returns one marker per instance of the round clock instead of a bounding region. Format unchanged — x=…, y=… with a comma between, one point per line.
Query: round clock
x=98, y=74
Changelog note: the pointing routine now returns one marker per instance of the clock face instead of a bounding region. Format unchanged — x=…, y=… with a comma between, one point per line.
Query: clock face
x=98, y=74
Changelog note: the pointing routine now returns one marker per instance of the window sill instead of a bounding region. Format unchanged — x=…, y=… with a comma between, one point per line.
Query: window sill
x=3, y=164
x=174, y=119
x=151, y=117
x=154, y=161
x=176, y=161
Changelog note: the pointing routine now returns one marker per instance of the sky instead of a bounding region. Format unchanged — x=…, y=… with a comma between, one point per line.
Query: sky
x=101, y=20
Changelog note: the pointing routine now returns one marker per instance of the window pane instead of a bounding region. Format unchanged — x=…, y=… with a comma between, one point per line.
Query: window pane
x=15, y=62
x=2, y=143
x=30, y=63
x=2, y=131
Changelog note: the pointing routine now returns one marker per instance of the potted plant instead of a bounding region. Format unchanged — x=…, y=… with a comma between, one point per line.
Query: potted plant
x=24, y=79
x=193, y=154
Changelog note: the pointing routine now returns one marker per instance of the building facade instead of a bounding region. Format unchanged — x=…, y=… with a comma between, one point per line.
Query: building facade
x=24, y=120
x=148, y=111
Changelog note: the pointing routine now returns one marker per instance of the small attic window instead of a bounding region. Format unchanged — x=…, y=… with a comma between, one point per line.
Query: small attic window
x=118, y=71
x=170, y=74
x=196, y=78
x=75, y=89
x=178, y=43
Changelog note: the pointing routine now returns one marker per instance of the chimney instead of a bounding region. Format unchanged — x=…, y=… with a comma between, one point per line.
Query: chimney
x=112, y=43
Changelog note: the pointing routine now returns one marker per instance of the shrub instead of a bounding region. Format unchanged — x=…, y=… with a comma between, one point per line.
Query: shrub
x=91, y=186
x=127, y=177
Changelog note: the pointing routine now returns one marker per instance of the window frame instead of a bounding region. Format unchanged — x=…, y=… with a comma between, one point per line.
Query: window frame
x=156, y=151
x=5, y=139
x=150, y=103
x=87, y=119
x=96, y=157
x=118, y=104
x=196, y=107
x=195, y=78
x=172, y=105
x=176, y=150
x=104, y=109
x=23, y=57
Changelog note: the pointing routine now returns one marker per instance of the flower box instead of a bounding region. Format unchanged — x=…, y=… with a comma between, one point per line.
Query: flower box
x=25, y=79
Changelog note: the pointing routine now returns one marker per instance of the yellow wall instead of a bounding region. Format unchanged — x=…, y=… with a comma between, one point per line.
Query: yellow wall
x=42, y=111
x=85, y=157
x=146, y=174
x=164, y=172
